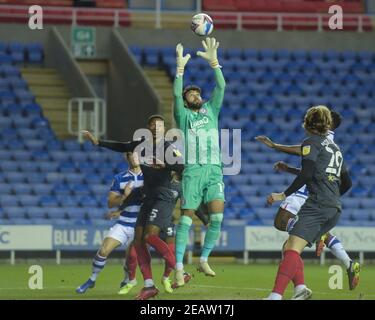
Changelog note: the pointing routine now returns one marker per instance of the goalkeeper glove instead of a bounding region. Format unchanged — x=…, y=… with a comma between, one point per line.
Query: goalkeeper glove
x=210, y=45
x=181, y=60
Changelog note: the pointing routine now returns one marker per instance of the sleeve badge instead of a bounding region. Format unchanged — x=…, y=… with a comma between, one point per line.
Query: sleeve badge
x=305, y=150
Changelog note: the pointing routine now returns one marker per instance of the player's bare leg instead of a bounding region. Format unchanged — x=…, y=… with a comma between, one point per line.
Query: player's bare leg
x=100, y=259
x=216, y=209
x=284, y=220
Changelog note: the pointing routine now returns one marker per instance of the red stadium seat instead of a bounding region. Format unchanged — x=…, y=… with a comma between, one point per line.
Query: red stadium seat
x=124, y=19
x=260, y=22
x=348, y=7
x=219, y=5
x=273, y=6
x=58, y=3
x=228, y=21
x=56, y=16
x=120, y=4
x=22, y=15
x=95, y=17
x=300, y=23
x=281, y=5
x=297, y=6
x=252, y=6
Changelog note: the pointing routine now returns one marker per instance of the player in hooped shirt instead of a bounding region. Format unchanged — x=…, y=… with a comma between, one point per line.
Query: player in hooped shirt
x=126, y=185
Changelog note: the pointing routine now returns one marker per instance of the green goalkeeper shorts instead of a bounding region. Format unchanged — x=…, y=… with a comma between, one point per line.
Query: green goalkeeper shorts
x=201, y=183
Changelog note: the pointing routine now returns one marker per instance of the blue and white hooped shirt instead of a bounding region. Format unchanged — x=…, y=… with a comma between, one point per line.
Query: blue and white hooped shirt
x=128, y=216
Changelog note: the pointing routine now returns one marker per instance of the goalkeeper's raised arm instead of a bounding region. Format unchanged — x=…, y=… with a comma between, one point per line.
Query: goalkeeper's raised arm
x=181, y=61
x=210, y=46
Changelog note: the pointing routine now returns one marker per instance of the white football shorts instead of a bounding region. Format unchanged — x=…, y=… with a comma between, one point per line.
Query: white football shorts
x=121, y=233
x=293, y=203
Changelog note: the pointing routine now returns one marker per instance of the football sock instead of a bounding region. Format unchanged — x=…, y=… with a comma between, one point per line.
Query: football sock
x=338, y=250
x=299, y=277
x=212, y=235
x=163, y=249
x=182, y=237
x=144, y=261
x=97, y=266
x=167, y=270
x=131, y=263
x=287, y=270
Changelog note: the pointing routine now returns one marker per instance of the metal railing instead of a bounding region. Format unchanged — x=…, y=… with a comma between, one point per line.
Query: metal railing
x=234, y=20
x=92, y=116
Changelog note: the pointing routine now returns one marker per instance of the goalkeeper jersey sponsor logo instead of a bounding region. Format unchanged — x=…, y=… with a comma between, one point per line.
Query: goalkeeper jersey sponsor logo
x=199, y=123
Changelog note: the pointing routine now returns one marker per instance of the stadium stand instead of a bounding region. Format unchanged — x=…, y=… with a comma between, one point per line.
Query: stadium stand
x=44, y=179
x=349, y=6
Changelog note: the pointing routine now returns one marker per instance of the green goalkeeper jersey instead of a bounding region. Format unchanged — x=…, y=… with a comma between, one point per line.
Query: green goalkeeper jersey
x=201, y=129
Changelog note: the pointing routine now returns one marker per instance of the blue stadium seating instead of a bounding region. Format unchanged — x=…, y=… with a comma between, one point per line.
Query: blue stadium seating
x=267, y=93
x=36, y=212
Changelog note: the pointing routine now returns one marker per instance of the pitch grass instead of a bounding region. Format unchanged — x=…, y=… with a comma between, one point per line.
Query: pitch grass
x=233, y=281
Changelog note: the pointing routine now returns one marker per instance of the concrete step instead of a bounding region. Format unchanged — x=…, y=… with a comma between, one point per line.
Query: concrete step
x=53, y=103
x=51, y=91
x=60, y=115
x=36, y=70
x=45, y=80
x=53, y=95
x=163, y=86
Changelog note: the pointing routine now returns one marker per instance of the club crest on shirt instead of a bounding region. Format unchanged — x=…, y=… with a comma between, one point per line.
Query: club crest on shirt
x=203, y=111
x=306, y=150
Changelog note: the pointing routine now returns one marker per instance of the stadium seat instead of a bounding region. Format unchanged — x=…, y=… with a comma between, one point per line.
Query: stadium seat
x=61, y=189
x=57, y=213
x=36, y=212
x=19, y=221
x=48, y=201
x=5, y=188
x=28, y=200
x=68, y=201
x=80, y=189
x=76, y=213
x=15, y=212
x=96, y=213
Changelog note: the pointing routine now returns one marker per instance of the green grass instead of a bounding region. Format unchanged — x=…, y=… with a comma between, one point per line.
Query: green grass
x=233, y=281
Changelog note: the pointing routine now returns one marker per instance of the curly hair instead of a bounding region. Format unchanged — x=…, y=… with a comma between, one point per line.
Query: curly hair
x=318, y=120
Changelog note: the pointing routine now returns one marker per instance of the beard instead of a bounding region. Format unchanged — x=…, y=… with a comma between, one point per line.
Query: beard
x=195, y=105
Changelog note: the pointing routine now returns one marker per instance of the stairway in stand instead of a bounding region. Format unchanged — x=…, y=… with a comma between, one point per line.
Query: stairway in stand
x=162, y=84
x=52, y=95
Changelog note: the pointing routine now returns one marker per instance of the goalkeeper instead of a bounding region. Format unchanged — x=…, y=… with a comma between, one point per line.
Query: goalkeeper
x=202, y=179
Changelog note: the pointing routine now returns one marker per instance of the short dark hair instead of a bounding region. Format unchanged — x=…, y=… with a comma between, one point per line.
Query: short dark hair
x=155, y=116
x=189, y=88
x=336, y=120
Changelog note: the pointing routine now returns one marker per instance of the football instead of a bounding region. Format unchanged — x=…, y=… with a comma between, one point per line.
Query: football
x=202, y=24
